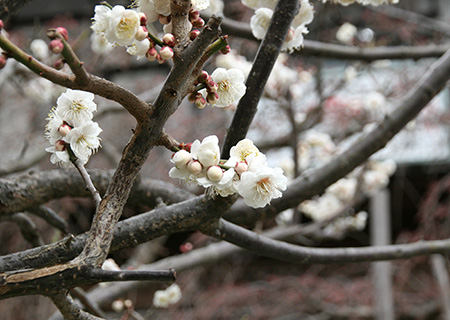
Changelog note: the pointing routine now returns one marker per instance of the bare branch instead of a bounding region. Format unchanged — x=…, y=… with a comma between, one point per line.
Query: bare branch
x=27, y=228
x=87, y=180
x=69, y=308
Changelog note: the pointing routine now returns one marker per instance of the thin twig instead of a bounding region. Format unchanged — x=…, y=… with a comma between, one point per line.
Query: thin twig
x=69, y=308
x=87, y=179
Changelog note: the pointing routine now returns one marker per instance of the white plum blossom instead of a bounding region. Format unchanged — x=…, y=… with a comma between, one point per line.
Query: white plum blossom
x=215, y=7
x=101, y=20
x=99, y=44
x=230, y=84
x=256, y=4
x=84, y=140
x=243, y=149
x=164, y=298
x=344, y=189
x=76, y=107
x=259, y=187
x=199, y=5
x=70, y=127
x=139, y=48
x=207, y=151
x=123, y=26
x=39, y=48
x=346, y=33
x=260, y=21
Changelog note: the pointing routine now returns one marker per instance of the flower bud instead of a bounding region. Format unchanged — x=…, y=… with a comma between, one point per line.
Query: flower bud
x=225, y=50
x=186, y=247
x=63, y=32
x=200, y=102
x=141, y=34
x=211, y=86
x=60, y=145
x=181, y=158
x=169, y=39
x=194, y=15
x=194, y=34
x=128, y=304
x=203, y=76
x=117, y=306
x=214, y=173
x=2, y=61
x=159, y=59
x=187, y=146
x=64, y=129
x=56, y=46
x=164, y=19
x=151, y=54
x=1, y=25
x=143, y=18
x=241, y=167
x=199, y=23
x=194, y=167
x=212, y=97
x=59, y=64
x=166, y=53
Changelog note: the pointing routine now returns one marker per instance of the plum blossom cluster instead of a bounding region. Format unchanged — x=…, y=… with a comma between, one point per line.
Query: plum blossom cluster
x=118, y=26
x=246, y=171
x=70, y=126
x=260, y=21
x=374, y=3
x=221, y=89
x=167, y=297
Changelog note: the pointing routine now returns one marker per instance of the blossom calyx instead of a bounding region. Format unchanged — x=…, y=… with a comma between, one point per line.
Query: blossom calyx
x=56, y=46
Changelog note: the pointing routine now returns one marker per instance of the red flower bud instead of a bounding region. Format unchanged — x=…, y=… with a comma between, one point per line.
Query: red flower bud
x=143, y=18
x=59, y=64
x=164, y=19
x=151, y=54
x=63, y=31
x=1, y=25
x=194, y=34
x=194, y=15
x=2, y=61
x=56, y=46
x=199, y=23
x=169, y=39
x=225, y=50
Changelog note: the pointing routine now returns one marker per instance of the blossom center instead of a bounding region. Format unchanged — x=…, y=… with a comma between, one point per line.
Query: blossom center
x=77, y=106
x=224, y=85
x=264, y=186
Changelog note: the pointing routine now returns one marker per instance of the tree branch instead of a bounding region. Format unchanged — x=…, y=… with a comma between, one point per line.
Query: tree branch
x=69, y=308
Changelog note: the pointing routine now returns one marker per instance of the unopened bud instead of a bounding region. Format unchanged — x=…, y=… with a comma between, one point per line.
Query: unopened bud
x=203, y=76
x=186, y=247
x=225, y=50
x=214, y=173
x=2, y=61
x=117, y=306
x=1, y=25
x=211, y=86
x=192, y=96
x=181, y=158
x=64, y=129
x=199, y=23
x=241, y=167
x=290, y=35
x=194, y=15
x=159, y=59
x=194, y=34
x=60, y=145
x=194, y=167
x=212, y=97
x=63, y=31
x=151, y=54
x=200, y=102
x=59, y=64
x=141, y=34
x=163, y=19
x=128, y=304
x=56, y=46
x=169, y=39
x=166, y=53
x=142, y=18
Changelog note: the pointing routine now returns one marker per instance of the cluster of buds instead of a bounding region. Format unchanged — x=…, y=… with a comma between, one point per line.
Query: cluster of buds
x=56, y=45
x=166, y=51
x=142, y=32
x=195, y=19
x=206, y=82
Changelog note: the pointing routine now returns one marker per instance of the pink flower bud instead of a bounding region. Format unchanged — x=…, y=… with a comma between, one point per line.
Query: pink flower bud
x=194, y=34
x=290, y=35
x=169, y=39
x=59, y=64
x=203, y=76
x=60, y=145
x=225, y=50
x=143, y=18
x=212, y=97
x=151, y=54
x=141, y=34
x=194, y=15
x=214, y=173
x=199, y=23
x=64, y=129
x=164, y=19
x=56, y=46
x=159, y=59
x=241, y=167
x=200, y=102
x=211, y=86
x=63, y=31
x=186, y=247
x=166, y=53
x=1, y=25
x=2, y=61
x=194, y=167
